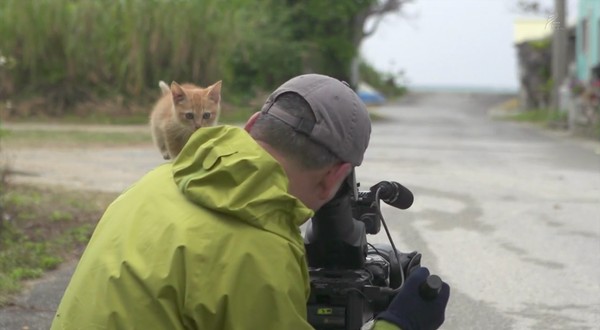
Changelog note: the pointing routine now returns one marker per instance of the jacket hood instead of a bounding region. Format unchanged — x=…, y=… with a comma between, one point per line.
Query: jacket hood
x=223, y=169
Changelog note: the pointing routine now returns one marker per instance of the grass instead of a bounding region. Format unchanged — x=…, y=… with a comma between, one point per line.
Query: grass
x=102, y=134
x=543, y=117
x=104, y=119
x=539, y=116
x=41, y=228
x=142, y=42
x=130, y=129
x=105, y=136
x=69, y=138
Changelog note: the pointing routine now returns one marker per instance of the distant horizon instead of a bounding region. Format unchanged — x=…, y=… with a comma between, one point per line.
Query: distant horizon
x=462, y=89
x=458, y=44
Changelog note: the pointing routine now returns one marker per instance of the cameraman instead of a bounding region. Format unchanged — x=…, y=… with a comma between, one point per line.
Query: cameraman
x=212, y=240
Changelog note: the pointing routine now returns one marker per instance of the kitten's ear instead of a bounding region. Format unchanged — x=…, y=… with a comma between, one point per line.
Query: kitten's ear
x=214, y=94
x=164, y=88
x=177, y=93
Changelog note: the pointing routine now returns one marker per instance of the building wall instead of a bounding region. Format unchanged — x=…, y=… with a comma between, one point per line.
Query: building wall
x=527, y=29
x=588, y=38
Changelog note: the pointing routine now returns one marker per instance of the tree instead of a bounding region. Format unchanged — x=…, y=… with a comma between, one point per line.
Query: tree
x=376, y=11
x=332, y=32
x=533, y=7
x=556, y=17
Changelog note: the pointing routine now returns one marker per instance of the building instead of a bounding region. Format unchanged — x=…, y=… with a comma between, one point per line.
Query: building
x=533, y=41
x=588, y=39
x=583, y=92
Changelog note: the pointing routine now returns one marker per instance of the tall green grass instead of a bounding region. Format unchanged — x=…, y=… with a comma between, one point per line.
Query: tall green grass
x=66, y=57
x=68, y=50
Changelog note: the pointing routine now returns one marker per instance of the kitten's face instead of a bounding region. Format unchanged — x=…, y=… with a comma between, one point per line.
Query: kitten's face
x=197, y=107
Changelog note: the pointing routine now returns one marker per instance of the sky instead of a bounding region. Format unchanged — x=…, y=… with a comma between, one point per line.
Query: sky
x=451, y=43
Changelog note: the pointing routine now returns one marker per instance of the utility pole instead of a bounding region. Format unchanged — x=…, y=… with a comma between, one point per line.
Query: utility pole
x=559, y=50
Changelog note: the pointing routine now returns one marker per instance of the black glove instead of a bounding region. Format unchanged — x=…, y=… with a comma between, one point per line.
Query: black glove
x=410, y=311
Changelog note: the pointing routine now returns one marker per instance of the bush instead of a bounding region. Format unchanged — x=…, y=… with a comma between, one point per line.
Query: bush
x=70, y=52
x=37, y=235
x=383, y=82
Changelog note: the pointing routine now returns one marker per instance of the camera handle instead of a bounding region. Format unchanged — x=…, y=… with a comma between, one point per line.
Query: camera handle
x=428, y=290
x=431, y=287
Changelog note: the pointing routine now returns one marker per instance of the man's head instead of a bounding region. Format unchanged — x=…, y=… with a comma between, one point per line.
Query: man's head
x=318, y=129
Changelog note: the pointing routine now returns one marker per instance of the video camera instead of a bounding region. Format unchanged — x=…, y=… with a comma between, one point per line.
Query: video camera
x=352, y=280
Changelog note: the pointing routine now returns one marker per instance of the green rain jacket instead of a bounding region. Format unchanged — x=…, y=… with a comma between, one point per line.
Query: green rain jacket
x=210, y=241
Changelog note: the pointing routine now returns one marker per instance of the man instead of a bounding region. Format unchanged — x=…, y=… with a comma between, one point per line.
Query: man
x=212, y=240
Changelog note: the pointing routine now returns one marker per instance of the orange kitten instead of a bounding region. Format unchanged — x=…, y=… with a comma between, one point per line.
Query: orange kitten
x=180, y=111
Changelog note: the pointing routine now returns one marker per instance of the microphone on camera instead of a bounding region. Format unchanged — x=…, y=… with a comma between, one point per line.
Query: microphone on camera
x=394, y=194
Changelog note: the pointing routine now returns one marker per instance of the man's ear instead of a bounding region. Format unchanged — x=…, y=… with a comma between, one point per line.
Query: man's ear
x=332, y=180
x=251, y=121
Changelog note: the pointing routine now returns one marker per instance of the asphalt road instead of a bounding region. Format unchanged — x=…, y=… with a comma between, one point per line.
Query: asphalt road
x=508, y=214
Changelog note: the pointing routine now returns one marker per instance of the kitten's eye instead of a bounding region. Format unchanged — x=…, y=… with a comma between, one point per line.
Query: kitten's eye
x=206, y=115
x=189, y=115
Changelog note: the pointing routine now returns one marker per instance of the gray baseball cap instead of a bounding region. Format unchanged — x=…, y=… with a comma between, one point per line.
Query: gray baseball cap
x=342, y=121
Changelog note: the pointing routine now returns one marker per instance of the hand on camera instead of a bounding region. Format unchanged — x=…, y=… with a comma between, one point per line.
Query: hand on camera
x=410, y=311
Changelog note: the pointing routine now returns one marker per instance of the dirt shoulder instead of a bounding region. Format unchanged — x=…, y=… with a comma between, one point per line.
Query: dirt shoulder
x=89, y=167
x=75, y=127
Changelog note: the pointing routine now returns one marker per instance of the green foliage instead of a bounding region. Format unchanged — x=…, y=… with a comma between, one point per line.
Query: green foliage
x=545, y=117
x=75, y=137
x=78, y=235
x=107, y=118
x=68, y=53
x=268, y=55
x=74, y=50
x=50, y=262
x=58, y=215
x=328, y=33
x=25, y=273
x=44, y=227
x=383, y=82
x=21, y=260
x=21, y=200
x=541, y=44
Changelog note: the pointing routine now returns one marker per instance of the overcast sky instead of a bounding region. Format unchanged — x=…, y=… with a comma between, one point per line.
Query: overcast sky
x=454, y=43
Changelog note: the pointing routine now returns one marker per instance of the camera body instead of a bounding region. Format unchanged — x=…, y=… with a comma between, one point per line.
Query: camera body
x=351, y=280
x=347, y=299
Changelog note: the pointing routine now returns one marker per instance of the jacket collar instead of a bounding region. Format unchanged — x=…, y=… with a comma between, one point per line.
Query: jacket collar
x=223, y=169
